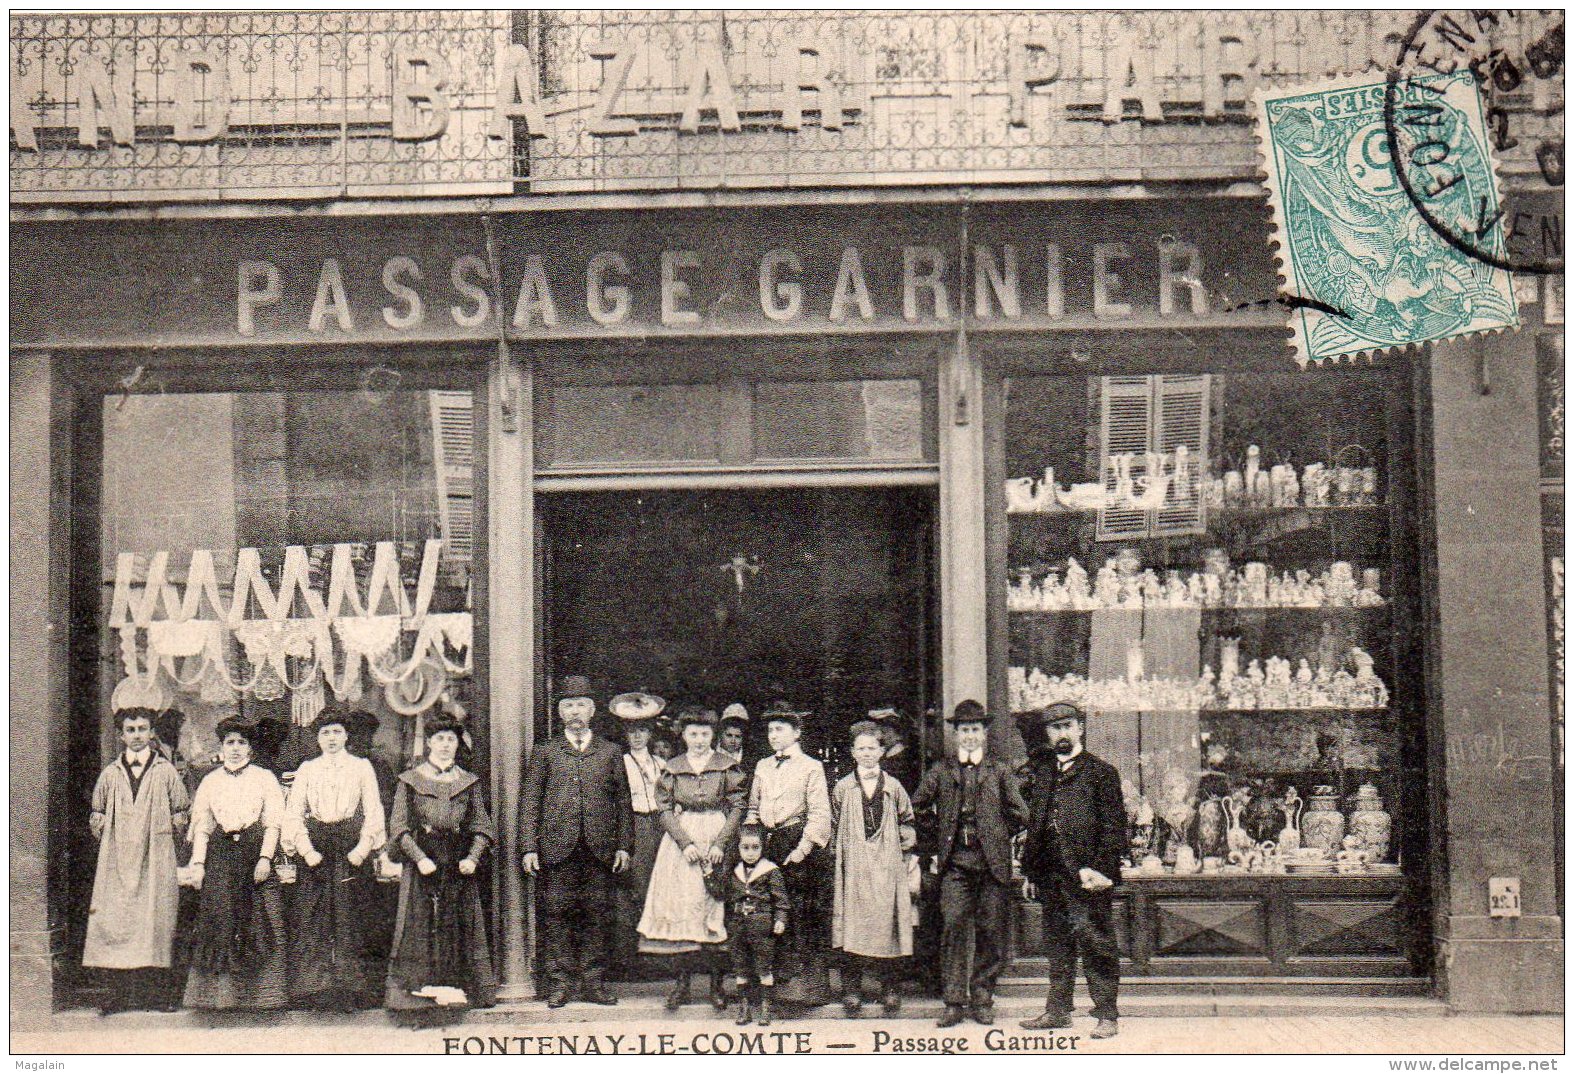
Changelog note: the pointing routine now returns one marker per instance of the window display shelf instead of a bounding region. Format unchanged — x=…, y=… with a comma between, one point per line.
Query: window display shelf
x=1325, y=612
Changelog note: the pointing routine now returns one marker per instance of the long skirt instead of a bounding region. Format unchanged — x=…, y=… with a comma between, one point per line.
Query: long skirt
x=440, y=934
x=329, y=912
x=680, y=914
x=238, y=956
x=632, y=888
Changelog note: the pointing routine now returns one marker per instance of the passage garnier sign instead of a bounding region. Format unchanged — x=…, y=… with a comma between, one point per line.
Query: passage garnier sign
x=619, y=275
x=322, y=104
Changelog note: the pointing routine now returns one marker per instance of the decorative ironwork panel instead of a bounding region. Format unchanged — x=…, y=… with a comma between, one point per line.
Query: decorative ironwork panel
x=267, y=105
x=359, y=103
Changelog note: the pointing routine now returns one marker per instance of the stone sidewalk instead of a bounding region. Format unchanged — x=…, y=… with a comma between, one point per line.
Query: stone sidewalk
x=1431, y=1034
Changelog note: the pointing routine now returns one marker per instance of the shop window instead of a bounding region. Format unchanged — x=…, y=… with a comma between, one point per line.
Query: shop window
x=265, y=553
x=839, y=419
x=733, y=423
x=635, y=423
x=1225, y=612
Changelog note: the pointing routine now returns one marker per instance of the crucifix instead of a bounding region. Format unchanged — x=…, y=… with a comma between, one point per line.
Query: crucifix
x=739, y=566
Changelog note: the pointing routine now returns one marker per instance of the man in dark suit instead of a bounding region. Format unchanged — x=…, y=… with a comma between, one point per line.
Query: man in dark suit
x=577, y=830
x=975, y=807
x=1076, y=836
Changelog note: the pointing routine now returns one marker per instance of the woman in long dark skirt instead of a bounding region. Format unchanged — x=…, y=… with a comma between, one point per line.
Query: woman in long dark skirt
x=440, y=829
x=238, y=956
x=333, y=824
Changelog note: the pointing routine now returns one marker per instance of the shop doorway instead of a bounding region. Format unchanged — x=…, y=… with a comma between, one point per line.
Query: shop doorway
x=824, y=597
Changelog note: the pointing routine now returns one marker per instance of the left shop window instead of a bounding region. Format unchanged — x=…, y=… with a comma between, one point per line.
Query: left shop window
x=265, y=553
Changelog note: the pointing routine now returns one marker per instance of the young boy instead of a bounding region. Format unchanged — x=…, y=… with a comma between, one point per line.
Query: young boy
x=872, y=912
x=790, y=801
x=757, y=908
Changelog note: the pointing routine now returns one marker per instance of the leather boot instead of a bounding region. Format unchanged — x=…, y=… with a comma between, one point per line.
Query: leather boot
x=718, y=993
x=680, y=992
x=763, y=1015
x=745, y=1013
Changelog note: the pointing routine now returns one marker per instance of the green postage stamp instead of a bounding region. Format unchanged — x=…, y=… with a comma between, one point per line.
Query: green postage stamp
x=1382, y=194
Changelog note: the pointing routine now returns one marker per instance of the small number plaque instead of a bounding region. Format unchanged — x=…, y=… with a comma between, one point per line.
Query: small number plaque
x=1504, y=892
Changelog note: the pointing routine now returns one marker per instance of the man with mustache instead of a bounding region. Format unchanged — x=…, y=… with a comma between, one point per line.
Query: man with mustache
x=1076, y=836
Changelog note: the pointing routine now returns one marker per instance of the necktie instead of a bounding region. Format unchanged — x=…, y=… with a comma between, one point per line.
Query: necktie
x=781, y=759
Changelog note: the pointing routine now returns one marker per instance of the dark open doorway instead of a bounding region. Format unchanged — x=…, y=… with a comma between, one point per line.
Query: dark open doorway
x=824, y=597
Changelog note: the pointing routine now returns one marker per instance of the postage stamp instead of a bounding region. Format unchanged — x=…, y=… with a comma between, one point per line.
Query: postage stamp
x=1364, y=265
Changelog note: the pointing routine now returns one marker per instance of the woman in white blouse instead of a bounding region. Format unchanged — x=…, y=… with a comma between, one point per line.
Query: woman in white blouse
x=238, y=956
x=333, y=824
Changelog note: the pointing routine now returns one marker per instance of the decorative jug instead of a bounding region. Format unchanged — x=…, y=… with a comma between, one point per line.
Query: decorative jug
x=1371, y=822
x=1290, y=834
x=1323, y=824
x=1235, y=837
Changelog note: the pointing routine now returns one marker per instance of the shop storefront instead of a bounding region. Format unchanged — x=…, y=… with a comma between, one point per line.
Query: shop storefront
x=878, y=449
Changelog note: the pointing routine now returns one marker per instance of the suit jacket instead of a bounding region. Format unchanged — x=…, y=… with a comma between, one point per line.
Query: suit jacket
x=1088, y=813
x=767, y=892
x=1000, y=811
x=572, y=798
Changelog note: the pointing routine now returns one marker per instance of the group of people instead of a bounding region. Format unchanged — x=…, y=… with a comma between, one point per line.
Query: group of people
x=246, y=944
x=770, y=877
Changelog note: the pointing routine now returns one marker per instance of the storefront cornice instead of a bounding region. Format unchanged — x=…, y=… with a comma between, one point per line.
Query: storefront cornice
x=1255, y=320
x=673, y=200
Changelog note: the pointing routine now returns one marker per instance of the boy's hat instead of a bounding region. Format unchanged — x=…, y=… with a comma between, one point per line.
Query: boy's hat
x=968, y=711
x=734, y=713
x=780, y=710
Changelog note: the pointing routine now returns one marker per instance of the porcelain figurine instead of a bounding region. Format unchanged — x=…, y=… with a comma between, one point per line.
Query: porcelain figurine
x=1370, y=822
x=1210, y=828
x=1020, y=493
x=1046, y=499
x=1234, y=494
x=1322, y=825
x=1253, y=465
x=1290, y=834
x=1229, y=660
x=1077, y=584
x=1106, y=589
x=1186, y=862
x=1255, y=584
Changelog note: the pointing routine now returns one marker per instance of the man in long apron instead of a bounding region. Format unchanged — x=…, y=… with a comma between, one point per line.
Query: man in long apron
x=139, y=805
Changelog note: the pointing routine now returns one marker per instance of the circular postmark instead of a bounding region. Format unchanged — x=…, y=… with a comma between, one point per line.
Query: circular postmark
x=1459, y=84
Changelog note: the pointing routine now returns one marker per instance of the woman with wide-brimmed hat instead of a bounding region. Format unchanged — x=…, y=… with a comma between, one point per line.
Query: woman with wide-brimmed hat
x=238, y=956
x=701, y=801
x=441, y=829
x=333, y=823
x=638, y=712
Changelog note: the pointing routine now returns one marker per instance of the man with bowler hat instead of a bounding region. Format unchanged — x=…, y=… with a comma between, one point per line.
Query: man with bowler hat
x=1076, y=835
x=976, y=808
x=577, y=830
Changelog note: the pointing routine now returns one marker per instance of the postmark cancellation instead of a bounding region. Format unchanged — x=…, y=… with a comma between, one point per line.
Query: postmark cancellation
x=1364, y=246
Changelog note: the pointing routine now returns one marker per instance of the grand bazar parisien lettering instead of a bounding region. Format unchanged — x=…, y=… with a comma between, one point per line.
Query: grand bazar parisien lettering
x=714, y=91
x=611, y=289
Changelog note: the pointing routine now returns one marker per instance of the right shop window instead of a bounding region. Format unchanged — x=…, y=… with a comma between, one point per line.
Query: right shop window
x=1206, y=563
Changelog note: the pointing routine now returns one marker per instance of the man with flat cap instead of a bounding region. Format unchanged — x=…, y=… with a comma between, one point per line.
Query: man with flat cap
x=577, y=831
x=1076, y=835
x=975, y=807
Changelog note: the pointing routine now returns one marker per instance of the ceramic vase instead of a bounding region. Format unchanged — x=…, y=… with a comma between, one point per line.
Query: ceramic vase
x=1210, y=828
x=1371, y=822
x=1322, y=825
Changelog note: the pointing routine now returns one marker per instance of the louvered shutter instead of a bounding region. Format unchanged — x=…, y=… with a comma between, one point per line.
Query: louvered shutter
x=1181, y=417
x=1125, y=427
x=453, y=440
